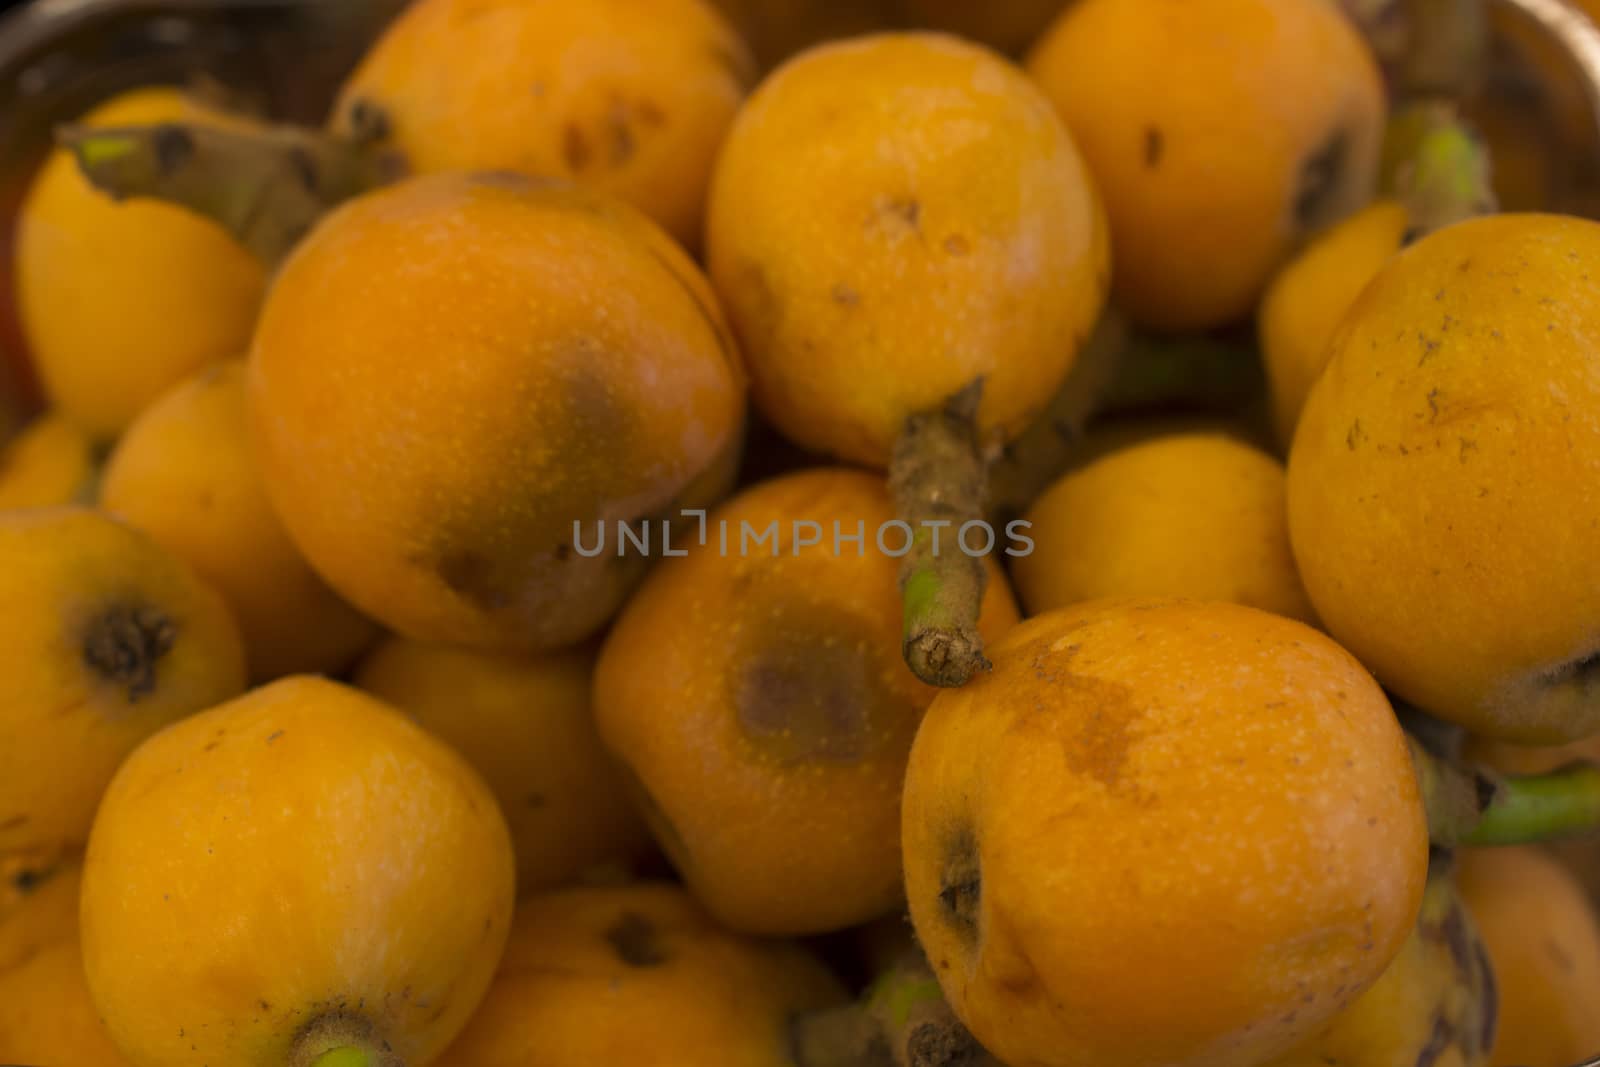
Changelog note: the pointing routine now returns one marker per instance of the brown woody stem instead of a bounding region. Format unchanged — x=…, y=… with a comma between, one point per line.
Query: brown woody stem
x=266, y=187
x=938, y=478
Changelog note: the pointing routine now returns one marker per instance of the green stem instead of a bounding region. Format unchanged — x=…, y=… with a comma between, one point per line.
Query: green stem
x=1545, y=807
x=265, y=186
x=938, y=478
x=1436, y=166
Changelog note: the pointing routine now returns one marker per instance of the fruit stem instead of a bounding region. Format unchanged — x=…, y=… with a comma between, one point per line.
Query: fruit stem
x=266, y=187
x=345, y=1057
x=1543, y=807
x=1470, y=805
x=938, y=478
x=902, y=1020
x=1436, y=166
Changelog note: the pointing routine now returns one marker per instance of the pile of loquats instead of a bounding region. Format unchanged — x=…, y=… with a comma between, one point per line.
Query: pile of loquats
x=426, y=635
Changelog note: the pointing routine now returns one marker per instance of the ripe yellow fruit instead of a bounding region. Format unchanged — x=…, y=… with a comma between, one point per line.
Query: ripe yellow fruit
x=1197, y=514
x=1311, y=295
x=1544, y=939
x=298, y=870
x=527, y=724
x=629, y=98
x=1161, y=833
x=759, y=696
x=1221, y=132
x=638, y=975
x=1441, y=506
x=892, y=218
x=51, y=463
x=107, y=639
x=185, y=474
x=121, y=301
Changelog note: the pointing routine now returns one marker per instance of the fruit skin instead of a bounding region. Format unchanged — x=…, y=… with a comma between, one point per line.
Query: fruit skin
x=762, y=703
x=638, y=975
x=1160, y=832
x=51, y=463
x=1311, y=295
x=438, y=395
x=1196, y=514
x=303, y=854
x=108, y=639
x=185, y=474
x=1435, y=1006
x=122, y=301
x=893, y=218
x=1221, y=133
x=1441, y=503
x=629, y=98
x=38, y=906
x=1544, y=940
x=46, y=1015
x=526, y=723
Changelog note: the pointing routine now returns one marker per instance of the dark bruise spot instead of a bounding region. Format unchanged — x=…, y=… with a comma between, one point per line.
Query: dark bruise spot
x=1490, y=1023
x=471, y=576
x=636, y=941
x=575, y=147
x=273, y=736
x=845, y=296
x=369, y=123
x=174, y=146
x=1320, y=179
x=623, y=143
x=265, y=1005
x=124, y=645
x=961, y=883
x=1438, y=1043
x=1155, y=146
x=905, y=209
x=804, y=695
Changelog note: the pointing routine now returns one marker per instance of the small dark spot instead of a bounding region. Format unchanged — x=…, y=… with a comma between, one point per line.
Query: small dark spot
x=563, y=553
x=575, y=147
x=1355, y=436
x=1155, y=146
x=1467, y=445
x=957, y=245
x=623, y=143
x=1430, y=346
x=845, y=296
x=961, y=883
x=906, y=209
x=471, y=576
x=273, y=736
x=174, y=146
x=1433, y=405
x=211, y=746
x=265, y=1005
x=369, y=123
x=1320, y=179
x=636, y=941
x=124, y=645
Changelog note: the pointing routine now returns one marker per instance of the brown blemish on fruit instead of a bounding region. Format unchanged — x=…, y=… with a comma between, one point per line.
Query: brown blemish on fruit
x=804, y=694
x=845, y=296
x=636, y=941
x=961, y=883
x=472, y=576
x=1155, y=146
x=901, y=212
x=574, y=147
x=957, y=245
x=124, y=645
x=620, y=134
x=1321, y=177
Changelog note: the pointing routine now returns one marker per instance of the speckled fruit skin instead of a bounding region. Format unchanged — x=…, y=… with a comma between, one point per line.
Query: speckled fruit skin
x=302, y=855
x=638, y=975
x=81, y=596
x=1221, y=132
x=120, y=301
x=1443, y=495
x=1160, y=832
x=527, y=724
x=449, y=374
x=629, y=97
x=760, y=698
x=185, y=473
x=1544, y=938
x=892, y=218
x=1310, y=296
x=1197, y=514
